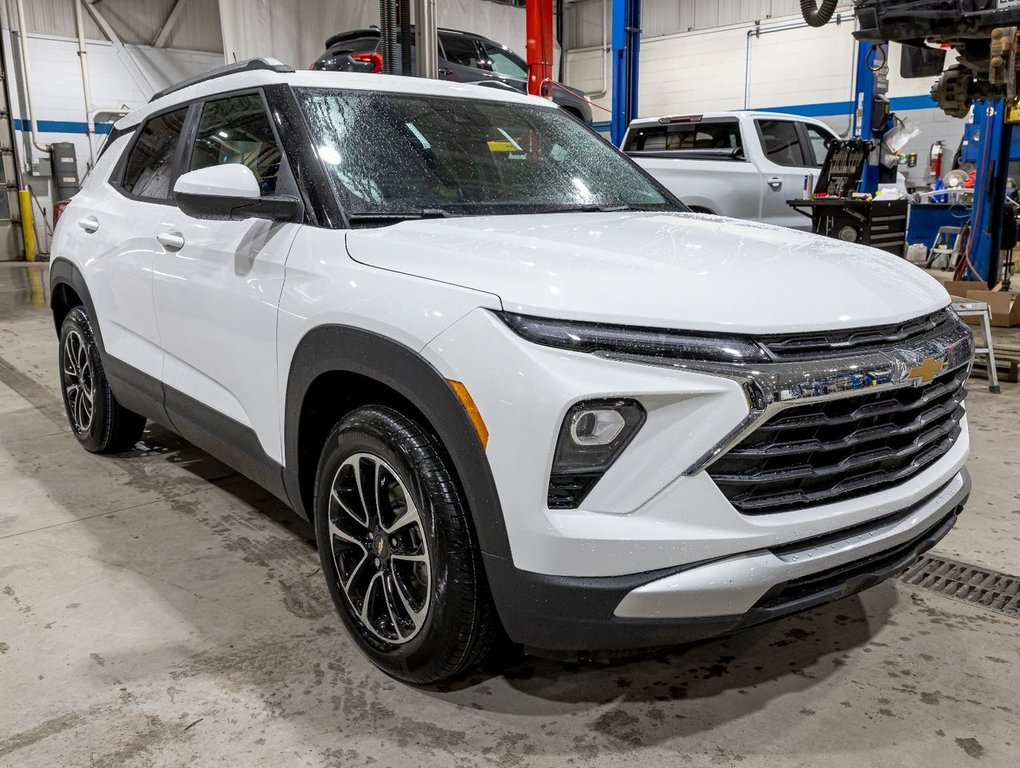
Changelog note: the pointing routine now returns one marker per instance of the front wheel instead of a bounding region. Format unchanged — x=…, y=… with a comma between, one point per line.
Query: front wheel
x=98, y=421
x=397, y=549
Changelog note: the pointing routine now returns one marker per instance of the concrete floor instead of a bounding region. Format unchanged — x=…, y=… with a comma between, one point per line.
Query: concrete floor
x=158, y=609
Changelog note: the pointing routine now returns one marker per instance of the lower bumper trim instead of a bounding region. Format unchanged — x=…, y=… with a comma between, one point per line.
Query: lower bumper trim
x=556, y=613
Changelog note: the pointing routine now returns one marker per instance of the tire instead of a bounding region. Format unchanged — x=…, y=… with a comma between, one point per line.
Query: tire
x=402, y=567
x=97, y=420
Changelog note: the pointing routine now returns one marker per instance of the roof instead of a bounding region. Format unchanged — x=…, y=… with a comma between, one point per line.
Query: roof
x=314, y=79
x=725, y=113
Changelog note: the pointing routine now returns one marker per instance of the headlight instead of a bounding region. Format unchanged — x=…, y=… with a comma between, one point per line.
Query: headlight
x=628, y=340
x=593, y=435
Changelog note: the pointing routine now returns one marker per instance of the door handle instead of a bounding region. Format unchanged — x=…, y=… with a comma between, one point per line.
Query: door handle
x=172, y=241
x=90, y=224
x=775, y=183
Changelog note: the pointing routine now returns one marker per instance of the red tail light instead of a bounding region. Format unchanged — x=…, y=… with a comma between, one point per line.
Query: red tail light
x=375, y=59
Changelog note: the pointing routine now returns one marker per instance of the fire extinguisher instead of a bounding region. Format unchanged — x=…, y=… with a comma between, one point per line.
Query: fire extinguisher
x=937, y=150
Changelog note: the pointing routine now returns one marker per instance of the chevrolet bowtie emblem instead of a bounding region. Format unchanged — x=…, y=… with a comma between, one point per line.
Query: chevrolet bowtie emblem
x=379, y=546
x=927, y=369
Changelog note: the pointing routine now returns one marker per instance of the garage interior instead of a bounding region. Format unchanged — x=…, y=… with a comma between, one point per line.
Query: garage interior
x=159, y=608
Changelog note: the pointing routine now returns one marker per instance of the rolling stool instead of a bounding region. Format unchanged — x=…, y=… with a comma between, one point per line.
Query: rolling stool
x=967, y=308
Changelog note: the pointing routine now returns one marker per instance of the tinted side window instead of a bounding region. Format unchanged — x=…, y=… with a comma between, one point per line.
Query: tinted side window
x=150, y=165
x=460, y=49
x=819, y=145
x=722, y=135
x=781, y=143
x=237, y=130
x=502, y=61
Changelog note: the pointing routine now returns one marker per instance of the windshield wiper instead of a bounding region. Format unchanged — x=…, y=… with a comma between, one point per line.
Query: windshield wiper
x=392, y=218
x=593, y=209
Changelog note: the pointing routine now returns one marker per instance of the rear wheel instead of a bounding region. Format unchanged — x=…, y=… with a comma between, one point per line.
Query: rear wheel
x=397, y=549
x=97, y=420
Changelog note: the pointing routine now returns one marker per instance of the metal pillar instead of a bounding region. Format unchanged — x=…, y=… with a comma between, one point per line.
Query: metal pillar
x=540, y=45
x=626, y=42
x=426, y=38
x=868, y=89
x=989, y=193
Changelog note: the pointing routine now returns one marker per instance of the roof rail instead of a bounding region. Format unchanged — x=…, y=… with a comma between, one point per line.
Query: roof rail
x=248, y=65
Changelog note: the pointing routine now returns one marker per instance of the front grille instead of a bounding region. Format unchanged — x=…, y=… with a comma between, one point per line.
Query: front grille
x=823, y=452
x=856, y=340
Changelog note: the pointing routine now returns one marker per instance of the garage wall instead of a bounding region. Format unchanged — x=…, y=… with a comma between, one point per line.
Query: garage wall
x=759, y=62
x=119, y=79
x=295, y=31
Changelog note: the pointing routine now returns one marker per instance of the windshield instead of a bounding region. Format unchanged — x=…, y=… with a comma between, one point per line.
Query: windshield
x=394, y=155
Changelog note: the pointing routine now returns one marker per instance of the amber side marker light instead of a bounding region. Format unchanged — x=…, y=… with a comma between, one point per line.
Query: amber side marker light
x=472, y=410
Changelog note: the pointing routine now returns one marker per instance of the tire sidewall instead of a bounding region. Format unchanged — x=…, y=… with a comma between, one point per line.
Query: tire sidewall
x=93, y=439
x=438, y=517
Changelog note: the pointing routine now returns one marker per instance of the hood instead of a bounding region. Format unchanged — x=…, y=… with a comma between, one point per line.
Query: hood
x=666, y=270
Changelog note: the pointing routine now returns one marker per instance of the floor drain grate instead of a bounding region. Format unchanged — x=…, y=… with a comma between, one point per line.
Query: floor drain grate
x=995, y=591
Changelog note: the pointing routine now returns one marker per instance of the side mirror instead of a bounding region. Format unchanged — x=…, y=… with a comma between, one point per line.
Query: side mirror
x=231, y=192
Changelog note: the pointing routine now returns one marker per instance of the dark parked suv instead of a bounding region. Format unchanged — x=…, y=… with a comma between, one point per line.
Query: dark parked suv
x=463, y=57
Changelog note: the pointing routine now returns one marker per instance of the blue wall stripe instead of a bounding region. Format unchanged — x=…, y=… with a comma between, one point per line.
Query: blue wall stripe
x=823, y=109
x=62, y=126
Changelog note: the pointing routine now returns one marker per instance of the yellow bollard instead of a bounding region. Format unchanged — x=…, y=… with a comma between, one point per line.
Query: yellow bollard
x=27, y=225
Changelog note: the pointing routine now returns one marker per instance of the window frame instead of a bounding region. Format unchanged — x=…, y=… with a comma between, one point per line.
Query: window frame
x=116, y=179
x=284, y=180
x=289, y=180
x=797, y=132
x=806, y=138
x=695, y=154
x=336, y=216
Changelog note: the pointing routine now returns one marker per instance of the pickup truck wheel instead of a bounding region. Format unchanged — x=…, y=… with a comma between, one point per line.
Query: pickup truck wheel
x=98, y=421
x=397, y=549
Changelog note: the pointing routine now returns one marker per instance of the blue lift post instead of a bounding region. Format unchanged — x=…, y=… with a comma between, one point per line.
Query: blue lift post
x=992, y=163
x=866, y=91
x=626, y=42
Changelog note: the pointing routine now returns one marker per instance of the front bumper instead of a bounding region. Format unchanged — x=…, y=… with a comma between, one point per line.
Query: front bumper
x=716, y=597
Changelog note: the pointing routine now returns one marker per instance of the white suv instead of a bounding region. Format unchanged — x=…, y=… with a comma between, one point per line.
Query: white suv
x=516, y=386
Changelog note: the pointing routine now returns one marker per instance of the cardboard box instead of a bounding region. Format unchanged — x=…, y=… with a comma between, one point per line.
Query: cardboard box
x=1005, y=311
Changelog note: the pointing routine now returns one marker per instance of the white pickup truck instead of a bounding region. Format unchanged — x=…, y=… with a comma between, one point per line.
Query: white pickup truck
x=740, y=164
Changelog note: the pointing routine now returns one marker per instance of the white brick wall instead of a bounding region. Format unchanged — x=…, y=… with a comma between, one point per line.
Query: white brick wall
x=791, y=65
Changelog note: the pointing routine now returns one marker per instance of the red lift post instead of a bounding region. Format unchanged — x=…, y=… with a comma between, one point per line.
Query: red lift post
x=540, y=46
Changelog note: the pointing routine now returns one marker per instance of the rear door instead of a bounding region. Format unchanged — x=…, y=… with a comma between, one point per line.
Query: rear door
x=461, y=59
x=789, y=160
x=117, y=227
x=217, y=287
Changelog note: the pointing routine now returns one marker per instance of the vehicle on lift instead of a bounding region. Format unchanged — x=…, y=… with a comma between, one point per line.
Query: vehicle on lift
x=982, y=32
x=464, y=57
x=740, y=164
x=515, y=385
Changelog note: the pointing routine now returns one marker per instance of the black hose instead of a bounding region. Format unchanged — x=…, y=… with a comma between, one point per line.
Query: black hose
x=815, y=16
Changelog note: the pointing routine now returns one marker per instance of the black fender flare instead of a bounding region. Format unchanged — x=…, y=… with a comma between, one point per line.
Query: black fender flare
x=345, y=349
x=65, y=272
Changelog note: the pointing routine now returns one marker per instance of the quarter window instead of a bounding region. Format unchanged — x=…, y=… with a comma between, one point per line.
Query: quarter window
x=237, y=130
x=150, y=166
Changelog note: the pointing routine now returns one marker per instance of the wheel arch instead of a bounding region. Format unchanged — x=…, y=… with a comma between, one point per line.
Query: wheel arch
x=67, y=291
x=338, y=368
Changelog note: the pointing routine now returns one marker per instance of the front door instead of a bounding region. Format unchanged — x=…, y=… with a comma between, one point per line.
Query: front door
x=217, y=287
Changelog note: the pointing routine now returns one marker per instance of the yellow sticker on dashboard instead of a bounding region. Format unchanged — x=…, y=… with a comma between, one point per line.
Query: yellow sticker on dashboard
x=503, y=146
